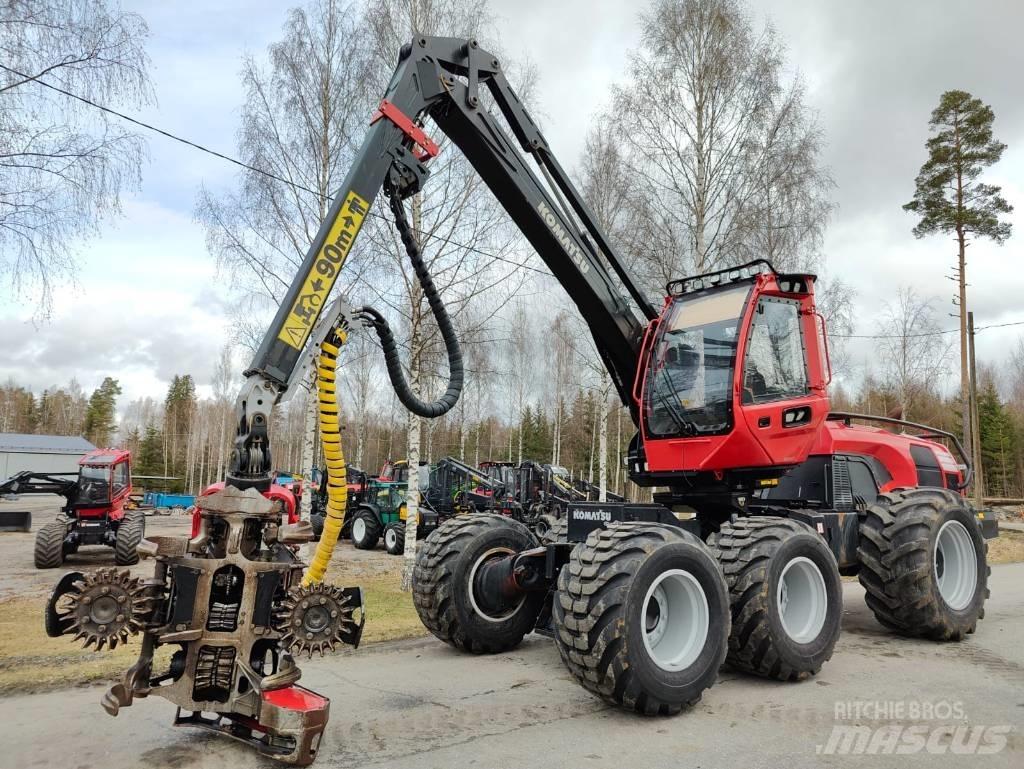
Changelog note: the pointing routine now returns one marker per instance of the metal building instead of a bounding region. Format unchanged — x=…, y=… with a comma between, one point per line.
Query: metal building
x=41, y=453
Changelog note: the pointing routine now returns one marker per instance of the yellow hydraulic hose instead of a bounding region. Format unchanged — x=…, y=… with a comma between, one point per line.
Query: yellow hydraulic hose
x=330, y=435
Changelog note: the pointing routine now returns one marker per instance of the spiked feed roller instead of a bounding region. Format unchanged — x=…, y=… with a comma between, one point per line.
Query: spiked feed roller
x=102, y=608
x=228, y=604
x=317, y=618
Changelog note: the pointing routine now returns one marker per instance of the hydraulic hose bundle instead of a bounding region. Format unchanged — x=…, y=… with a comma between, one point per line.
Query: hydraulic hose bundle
x=444, y=323
x=330, y=427
x=330, y=435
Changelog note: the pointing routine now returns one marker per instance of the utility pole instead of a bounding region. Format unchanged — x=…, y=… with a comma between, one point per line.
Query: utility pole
x=979, y=484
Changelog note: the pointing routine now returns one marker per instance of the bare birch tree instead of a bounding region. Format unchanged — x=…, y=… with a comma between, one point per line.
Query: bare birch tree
x=725, y=153
x=913, y=350
x=64, y=164
x=304, y=116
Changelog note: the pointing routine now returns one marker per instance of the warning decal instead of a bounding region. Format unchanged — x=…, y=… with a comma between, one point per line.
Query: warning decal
x=325, y=271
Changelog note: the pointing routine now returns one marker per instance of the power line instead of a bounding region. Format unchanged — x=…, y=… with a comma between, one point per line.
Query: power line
x=926, y=333
x=247, y=166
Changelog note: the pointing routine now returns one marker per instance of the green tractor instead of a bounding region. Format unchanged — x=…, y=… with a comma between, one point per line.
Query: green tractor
x=381, y=509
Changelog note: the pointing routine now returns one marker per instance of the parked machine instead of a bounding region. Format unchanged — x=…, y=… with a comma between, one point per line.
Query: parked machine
x=727, y=383
x=95, y=512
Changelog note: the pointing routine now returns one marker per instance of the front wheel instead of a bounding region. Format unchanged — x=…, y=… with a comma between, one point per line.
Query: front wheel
x=394, y=538
x=49, y=548
x=126, y=543
x=642, y=617
x=923, y=564
x=365, y=529
x=786, y=595
x=448, y=595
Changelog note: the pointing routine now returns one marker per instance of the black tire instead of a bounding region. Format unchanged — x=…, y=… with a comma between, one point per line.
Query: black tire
x=370, y=531
x=394, y=538
x=557, y=531
x=897, y=552
x=49, y=547
x=543, y=527
x=129, y=535
x=601, y=613
x=442, y=591
x=754, y=553
x=316, y=521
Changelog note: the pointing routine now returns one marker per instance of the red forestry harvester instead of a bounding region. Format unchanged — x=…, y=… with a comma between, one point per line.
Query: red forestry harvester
x=95, y=508
x=727, y=385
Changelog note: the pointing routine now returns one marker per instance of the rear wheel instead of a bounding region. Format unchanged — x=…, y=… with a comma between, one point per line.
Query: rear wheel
x=923, y=564
x=642, y=617
x=316, y=522
x=365, y=529
x=129, y=535
x=558, y=531
x=446, y=590
x=786, y=596
x=49, y=549
x=394, y=538
x=543, y=527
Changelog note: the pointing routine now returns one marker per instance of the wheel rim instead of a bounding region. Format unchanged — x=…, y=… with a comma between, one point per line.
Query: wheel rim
x=495, y=552
x=358, y=529
x=390, y=538
x=675, y=620
x=802, y=600
x=956, y=565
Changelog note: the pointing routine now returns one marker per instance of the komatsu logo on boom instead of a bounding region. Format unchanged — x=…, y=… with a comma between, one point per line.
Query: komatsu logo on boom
x=563, y=237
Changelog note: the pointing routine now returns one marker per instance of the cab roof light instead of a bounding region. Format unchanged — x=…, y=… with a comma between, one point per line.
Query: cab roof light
x=719, y=277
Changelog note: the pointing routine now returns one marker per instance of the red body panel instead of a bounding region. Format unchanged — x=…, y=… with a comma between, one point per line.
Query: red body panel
x=748, y=444
x=891, y=449
x=279, y=493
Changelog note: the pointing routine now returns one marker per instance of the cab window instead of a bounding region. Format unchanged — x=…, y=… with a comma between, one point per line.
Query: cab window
x=689, y=382
x=774, y=368
x=120, y=477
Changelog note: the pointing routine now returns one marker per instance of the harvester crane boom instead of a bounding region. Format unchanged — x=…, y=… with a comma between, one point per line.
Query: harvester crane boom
x=441, y=79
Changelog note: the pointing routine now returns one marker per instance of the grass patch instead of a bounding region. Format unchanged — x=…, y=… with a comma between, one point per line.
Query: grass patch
x=1008, y=547
x=30, y=661
x=390, y=614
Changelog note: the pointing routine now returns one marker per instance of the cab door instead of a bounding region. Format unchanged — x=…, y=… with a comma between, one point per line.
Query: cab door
x=776, y=398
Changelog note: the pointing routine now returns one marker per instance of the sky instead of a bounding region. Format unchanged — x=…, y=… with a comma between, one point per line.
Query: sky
x=148, y=301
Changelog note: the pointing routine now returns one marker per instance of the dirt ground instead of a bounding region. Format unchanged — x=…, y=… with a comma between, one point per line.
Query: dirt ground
x=419, y=704
x=32, y=662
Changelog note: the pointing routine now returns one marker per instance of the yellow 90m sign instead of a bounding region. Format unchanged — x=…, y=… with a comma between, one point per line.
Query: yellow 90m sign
x=325, y=271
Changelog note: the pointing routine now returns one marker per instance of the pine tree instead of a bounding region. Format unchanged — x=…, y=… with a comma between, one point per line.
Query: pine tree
x=998, y=439
x=949, y=198
x=149, y=460
x=100, y=419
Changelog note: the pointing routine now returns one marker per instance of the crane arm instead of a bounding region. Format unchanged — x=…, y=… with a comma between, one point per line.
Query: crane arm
x=442, y=79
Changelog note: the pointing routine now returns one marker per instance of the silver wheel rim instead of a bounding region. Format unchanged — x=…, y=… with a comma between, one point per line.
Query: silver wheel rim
x=956, y=565
x=390, y=538
x=802, y=600
x=484, y=557
x=675, y=620
x=358, y=529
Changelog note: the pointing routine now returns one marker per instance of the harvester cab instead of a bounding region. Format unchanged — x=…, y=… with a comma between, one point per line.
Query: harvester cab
x=732, y=384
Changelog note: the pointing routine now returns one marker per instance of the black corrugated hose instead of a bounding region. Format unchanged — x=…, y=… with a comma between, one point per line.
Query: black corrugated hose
x=444, y=323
